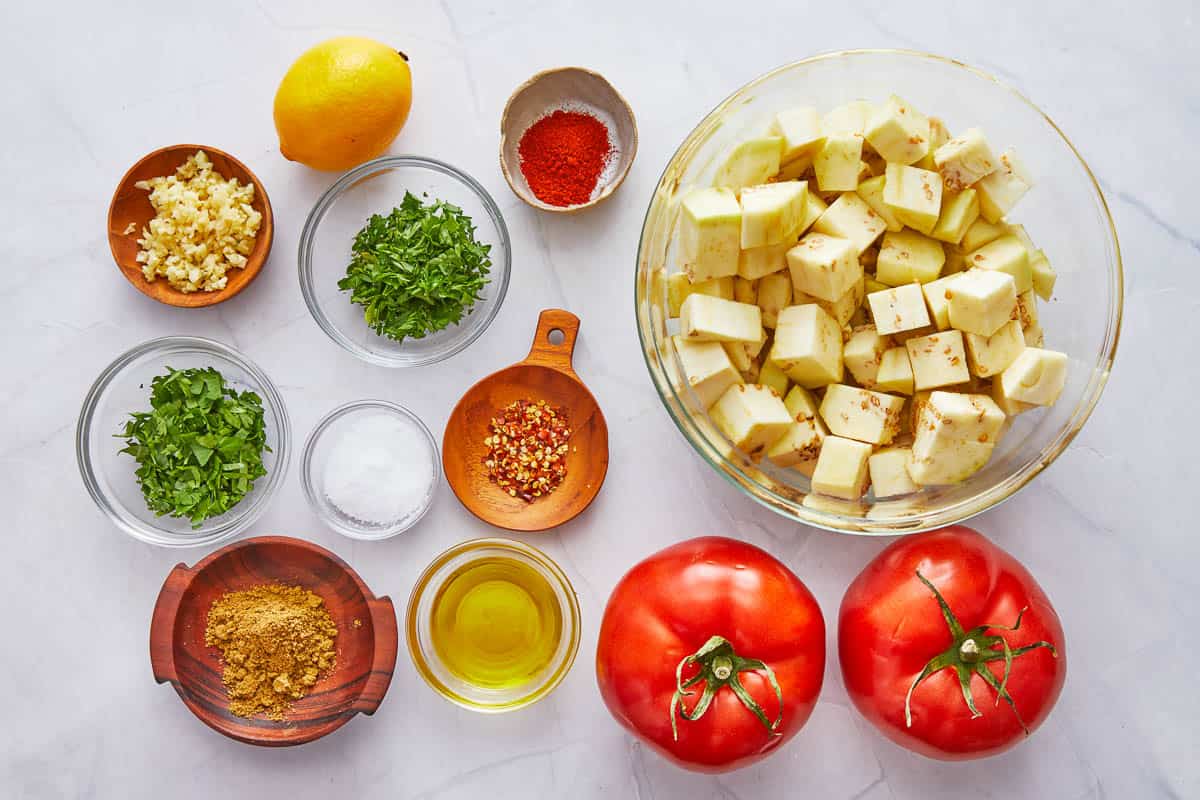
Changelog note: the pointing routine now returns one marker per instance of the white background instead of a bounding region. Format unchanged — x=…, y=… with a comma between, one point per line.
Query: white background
x=1109, y=530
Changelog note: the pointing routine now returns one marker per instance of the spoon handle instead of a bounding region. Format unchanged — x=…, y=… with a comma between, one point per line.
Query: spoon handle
x=549, y=349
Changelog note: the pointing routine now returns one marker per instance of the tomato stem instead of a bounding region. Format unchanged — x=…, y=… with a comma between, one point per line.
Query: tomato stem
x=968, y=654
x=720, y=666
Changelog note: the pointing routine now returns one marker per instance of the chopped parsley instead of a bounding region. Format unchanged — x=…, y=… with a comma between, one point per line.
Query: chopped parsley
x=200, y=448
x=417, y=270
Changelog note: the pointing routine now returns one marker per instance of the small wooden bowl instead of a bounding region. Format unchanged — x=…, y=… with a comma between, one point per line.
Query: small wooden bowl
x=366, y=642
x=546, y=374
x=569, y=88
x=132, y=205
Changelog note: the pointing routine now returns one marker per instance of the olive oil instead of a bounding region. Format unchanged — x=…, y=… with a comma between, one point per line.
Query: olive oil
x=496, y=623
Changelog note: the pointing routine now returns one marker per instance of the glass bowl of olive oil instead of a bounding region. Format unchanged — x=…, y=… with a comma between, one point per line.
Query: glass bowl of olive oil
x=493, y=625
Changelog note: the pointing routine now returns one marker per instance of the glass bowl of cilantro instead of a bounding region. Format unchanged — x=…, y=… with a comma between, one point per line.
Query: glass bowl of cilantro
x=182, y=441
x=404, y=261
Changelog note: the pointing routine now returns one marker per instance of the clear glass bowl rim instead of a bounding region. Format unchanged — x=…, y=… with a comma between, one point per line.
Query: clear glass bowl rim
x=239, y=522
x=500, y=273
x=309, y=486
x=572, y=620
x=842, y=523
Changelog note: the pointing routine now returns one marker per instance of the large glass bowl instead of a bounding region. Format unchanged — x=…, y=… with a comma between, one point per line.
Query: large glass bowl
x=124, y=387
x=377, y=187
x=1064, y=213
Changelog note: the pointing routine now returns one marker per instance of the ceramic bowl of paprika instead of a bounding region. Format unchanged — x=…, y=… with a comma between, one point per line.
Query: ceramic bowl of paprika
x=571, y=115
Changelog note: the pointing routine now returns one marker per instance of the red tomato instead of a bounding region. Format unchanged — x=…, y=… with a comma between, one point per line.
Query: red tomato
x=901, y=648
x=713, y=652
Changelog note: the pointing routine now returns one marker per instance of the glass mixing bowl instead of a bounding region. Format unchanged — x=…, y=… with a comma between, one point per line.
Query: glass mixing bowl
x=124, y=387
x=1064, y=213
x=377, y=187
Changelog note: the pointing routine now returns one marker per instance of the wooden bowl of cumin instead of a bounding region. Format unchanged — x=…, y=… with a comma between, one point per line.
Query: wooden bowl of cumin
x=366, y=640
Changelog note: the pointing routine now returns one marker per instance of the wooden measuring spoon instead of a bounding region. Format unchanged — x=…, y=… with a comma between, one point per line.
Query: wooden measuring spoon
x=545, y=374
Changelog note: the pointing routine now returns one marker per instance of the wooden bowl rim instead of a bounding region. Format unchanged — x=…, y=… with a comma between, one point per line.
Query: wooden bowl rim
x=611, y=186
x=296, y=736
x=252, y=268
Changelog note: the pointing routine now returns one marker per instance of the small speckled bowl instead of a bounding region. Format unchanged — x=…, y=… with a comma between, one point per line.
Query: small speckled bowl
x=571, y=89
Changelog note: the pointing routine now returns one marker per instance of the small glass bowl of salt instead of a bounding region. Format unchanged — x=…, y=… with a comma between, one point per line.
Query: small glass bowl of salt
x=370, y=469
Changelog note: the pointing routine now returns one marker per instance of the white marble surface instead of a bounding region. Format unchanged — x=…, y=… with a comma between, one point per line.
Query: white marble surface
x=90, y=87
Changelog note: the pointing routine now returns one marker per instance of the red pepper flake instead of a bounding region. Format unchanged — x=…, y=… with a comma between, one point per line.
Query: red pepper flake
x=527, y=449
x=563, y=155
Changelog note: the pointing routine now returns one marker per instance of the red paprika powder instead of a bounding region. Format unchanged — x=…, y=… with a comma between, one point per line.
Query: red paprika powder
x=563, y=155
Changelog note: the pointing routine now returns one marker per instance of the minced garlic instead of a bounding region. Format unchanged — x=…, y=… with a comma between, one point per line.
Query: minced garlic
x=204, y=225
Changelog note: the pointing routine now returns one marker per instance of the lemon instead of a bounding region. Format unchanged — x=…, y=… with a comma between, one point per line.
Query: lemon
x=342, y=103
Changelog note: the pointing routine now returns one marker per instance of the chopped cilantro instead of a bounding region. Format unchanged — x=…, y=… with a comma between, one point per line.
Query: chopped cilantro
x=417, y=270
x=200, y=449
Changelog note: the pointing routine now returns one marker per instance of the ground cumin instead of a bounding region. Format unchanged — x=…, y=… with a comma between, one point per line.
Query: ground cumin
x=276, y=641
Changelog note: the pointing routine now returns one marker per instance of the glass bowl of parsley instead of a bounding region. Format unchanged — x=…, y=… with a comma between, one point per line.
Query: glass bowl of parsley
x=404, y=261
x=182, y=441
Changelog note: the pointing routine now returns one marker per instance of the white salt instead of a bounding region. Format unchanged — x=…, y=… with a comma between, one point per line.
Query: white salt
x=380, y=470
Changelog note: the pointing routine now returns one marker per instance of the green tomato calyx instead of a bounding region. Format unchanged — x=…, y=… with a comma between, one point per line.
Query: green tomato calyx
x=968, y=655
x=720, y=666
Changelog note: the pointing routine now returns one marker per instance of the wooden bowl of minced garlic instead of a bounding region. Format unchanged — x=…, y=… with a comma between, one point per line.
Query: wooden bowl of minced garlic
x=273, y=641
x=190, y=225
